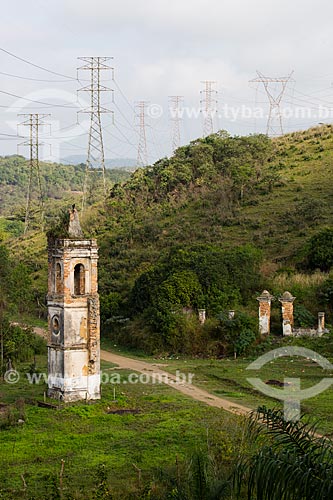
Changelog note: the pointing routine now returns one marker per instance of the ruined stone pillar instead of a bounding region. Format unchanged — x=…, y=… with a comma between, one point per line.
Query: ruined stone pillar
x=231, y=314
x=321, y=323
x=287, y=313
x=265, y=301
x=202, y=315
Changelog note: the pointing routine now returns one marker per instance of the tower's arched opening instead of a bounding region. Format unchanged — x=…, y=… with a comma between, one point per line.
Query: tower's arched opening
x=58, y=283
x=79, y=280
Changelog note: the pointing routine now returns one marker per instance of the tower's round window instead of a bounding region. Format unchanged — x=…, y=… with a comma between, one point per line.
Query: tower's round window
x=55, y=325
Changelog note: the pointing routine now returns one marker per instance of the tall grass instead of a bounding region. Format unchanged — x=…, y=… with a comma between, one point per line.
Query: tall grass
x=287, y=281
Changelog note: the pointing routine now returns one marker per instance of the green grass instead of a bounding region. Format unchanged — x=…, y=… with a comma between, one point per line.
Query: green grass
x=227, y=377
x=167, y=426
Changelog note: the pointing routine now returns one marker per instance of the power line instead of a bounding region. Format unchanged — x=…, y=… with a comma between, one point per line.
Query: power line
x=36, y=65
x=11, y=135
x=32, y=79
x=46, y=104
x=123, y=95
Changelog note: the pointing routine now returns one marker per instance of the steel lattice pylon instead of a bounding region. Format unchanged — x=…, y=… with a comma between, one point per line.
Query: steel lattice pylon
x=175, y=117
x=34, y=122
x=95, y=158
x=274, y=98
x=208, y=106
x=140, y=114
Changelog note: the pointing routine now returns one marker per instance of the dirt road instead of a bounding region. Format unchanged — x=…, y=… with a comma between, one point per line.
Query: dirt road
x=169, y=379
x=153, y=369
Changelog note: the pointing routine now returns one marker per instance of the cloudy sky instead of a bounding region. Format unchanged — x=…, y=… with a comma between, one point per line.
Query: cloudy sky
x=162, y=48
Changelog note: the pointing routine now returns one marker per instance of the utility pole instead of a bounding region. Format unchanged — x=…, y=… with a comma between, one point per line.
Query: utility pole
x=34, y=121
x=208, y=106
x=274, y=97
x=95, y=159
x=176, y=118
x=140, y=115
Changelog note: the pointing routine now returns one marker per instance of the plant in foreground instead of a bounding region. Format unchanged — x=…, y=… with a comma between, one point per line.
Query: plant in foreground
x=294, y=463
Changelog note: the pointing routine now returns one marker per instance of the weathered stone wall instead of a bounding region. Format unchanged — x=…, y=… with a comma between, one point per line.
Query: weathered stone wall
x=94, y=334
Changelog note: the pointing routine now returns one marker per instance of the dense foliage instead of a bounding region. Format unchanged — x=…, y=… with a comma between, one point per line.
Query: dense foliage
x=58, y=182
x=181, y=235
x=185, y=280
x=319, y=251
x=19, y=293
x=18, y=344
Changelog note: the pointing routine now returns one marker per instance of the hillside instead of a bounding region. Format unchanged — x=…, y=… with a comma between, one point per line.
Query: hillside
x=123, y=163
x=276, y=199
x=209, y=227
x=59, y=182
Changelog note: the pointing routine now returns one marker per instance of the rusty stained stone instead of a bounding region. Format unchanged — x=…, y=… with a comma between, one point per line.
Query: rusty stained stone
x=287, y=308
x=83, y=328
x=265, y=301
x=94, y=333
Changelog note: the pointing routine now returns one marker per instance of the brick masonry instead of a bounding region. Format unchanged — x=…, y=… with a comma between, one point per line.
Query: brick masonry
x=287, y=308
x=265, y=301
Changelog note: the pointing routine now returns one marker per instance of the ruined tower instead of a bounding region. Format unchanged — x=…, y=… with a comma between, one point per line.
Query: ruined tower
x=73, y=314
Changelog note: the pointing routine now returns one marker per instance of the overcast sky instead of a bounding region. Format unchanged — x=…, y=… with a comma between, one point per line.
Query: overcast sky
x=163, y=48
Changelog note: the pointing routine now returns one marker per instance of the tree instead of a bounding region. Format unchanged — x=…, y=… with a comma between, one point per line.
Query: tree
x=319, y=252
x=20, y=292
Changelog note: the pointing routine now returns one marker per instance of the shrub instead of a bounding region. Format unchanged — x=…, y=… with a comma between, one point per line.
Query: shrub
x=319, y=251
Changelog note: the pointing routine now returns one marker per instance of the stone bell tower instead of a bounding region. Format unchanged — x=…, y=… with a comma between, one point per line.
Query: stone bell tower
x=73, y=314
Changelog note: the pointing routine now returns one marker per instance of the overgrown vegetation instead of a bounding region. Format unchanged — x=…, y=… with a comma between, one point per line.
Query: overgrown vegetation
x=209, y=228
x=58, y=181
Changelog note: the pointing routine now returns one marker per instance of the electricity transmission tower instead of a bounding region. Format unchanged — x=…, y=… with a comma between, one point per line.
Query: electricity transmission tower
x=176, y=118
x=95, y=159
x=34, y=121
x=274, y=121
x=208, y=106
x=140, y=115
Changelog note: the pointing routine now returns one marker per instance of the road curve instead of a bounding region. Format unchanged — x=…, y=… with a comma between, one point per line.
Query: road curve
x=184, y=387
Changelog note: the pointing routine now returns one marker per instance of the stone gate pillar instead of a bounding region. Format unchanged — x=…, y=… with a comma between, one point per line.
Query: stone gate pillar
x=202, y=316
x=287, y=301
x=321, y=323
x=265, y=301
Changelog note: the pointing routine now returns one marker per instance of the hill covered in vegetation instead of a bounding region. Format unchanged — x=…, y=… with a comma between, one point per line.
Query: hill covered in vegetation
x=210, y=227
x=58, y=182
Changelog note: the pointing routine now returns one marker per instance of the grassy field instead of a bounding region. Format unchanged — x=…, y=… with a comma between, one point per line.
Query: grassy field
x=160, y=427
x=164, y=426
x=227, y=377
